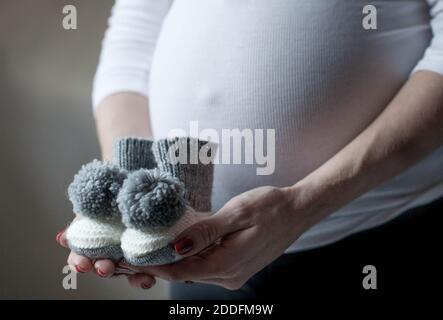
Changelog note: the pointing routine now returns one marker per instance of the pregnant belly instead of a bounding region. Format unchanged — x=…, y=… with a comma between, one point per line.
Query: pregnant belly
x=304, y=68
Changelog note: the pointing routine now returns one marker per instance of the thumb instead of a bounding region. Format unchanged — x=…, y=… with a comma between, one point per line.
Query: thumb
x=202, y=234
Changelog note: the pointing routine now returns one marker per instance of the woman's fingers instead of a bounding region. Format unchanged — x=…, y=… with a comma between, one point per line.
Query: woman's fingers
x=142, y=281
x=122, y=271
x=61, y=235
x=205, y=233
x=79, y=263
x=104, y=268
x=61, y=238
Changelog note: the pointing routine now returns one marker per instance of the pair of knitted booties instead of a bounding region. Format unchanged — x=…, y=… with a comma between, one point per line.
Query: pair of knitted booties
x=134, y=207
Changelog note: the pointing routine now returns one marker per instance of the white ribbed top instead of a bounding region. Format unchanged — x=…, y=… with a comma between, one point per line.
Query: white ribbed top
x=304, y=68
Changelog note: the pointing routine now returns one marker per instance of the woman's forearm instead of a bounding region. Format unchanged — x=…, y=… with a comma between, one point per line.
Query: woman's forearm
x=119, y=115
x=406, y=131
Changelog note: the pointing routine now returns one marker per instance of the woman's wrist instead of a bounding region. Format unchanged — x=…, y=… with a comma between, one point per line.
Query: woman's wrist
x=311, y=200
x=297, y=209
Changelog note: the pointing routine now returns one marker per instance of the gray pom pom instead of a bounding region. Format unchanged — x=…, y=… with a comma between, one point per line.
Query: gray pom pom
x=94, y=190
x=151, y=199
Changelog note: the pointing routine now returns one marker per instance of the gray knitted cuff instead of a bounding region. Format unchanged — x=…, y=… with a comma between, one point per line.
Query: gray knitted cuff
x=191, y=161
x=133, y=153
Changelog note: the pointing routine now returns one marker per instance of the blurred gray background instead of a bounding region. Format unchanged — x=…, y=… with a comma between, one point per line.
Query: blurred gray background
x=46, y=132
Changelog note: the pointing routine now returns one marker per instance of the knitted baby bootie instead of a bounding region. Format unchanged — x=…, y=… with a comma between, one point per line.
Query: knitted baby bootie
x=93, y=194
x=157, y=205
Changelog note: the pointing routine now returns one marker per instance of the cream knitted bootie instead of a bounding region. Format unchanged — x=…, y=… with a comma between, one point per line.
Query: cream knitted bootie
x=93, y=193
x=157, y=205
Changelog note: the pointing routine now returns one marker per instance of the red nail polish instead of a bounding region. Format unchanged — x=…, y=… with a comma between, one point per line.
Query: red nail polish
x=79, y=269
x=59, y=234
x=146, y=286
x=101, y=273
x=184, y=245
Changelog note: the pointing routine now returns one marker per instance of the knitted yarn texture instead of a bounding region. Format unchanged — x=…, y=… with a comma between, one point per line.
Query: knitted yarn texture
x=157, y=205
x=93, y=194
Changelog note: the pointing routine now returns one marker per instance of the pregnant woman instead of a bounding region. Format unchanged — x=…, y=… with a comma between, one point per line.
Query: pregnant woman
x=358, y=120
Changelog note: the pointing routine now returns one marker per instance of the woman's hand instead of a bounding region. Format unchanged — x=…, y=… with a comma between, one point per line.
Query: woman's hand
x=104, y=268
x=248, y=233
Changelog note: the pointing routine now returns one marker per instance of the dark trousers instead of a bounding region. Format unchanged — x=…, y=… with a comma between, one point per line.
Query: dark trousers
x=406, y=253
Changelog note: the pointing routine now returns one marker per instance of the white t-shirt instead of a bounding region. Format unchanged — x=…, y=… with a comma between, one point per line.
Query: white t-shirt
x=307, y=69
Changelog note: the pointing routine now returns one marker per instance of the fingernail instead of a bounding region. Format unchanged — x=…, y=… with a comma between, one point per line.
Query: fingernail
x=59, y=234
x=79, y=269
x=146, y=285
x=101, y=273
x=184, y=245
